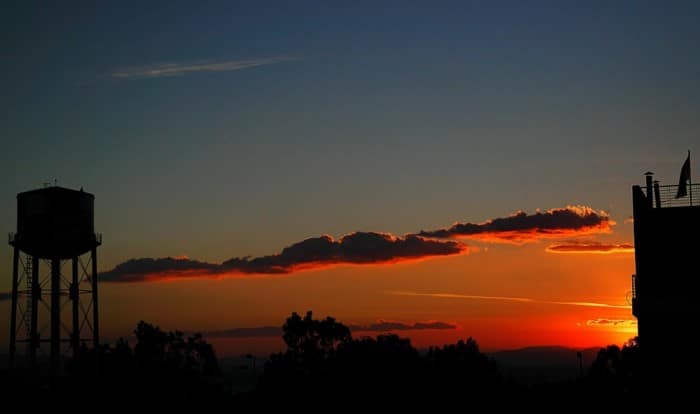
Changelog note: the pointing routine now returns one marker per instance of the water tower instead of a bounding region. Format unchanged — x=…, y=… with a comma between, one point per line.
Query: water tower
x=55, y=226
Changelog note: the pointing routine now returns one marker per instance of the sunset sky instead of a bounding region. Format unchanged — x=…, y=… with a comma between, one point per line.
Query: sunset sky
x=437, y=169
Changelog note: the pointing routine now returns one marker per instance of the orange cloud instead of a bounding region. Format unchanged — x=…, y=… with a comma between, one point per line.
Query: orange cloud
x=590, y=247
x=521, y=227
x=356, y=248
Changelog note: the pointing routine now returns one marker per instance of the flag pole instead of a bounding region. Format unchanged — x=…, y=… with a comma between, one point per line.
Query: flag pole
x=690, y=180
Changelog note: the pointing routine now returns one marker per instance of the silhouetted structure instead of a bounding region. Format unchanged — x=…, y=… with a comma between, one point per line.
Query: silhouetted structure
x=664, y=289
x=54, y=224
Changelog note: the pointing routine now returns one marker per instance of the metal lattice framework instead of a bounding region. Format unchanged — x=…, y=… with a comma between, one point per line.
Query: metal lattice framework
x=33, y=308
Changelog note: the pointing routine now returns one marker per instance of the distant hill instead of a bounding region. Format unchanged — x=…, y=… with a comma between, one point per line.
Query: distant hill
x=543, y=364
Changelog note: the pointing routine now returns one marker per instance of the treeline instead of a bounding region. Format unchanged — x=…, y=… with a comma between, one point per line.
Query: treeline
x=323, y=359
x=322, y=363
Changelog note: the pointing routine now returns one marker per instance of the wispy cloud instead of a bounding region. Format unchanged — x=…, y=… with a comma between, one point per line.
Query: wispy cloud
x=360, y=248
x=386, y=326
x=521, y=227
x=591, y=247
x=611, y=322
x=177, y=69
x=588, y=304
x=460, y=296
x=507, y=299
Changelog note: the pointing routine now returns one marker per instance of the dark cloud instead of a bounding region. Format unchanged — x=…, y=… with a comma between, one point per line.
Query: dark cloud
x=521, y=227
x=5, y=296
x=354, y=248
x=380, y=326
x=591, y=247
x=384, y=326
x=135, y=270
x=433, y=325
x=372, y=248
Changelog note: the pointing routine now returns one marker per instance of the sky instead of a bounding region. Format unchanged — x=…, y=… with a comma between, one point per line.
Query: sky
x=437, y=169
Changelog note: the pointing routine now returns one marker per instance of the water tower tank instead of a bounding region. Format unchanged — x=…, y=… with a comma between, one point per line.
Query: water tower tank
x=55, y=223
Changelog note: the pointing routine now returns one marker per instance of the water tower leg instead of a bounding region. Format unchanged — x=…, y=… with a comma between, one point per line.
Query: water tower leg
x=13, y=316
x=55, y=317
x=75, y=300
x=34, y=325
x=95, y=311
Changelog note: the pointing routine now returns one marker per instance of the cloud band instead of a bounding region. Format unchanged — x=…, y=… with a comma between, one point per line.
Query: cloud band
x=359, y=248
x=521, y=227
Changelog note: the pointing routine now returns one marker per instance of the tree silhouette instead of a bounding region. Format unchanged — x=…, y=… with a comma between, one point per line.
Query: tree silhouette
x=617, y=368
x=370, y=368
x=311, y=342
x=462, y=364
x=308, y=336
x=171, y=351
x=322, y=356
x=311, y=345
x=150, y=349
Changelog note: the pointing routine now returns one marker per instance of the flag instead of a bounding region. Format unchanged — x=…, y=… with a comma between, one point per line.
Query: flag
x=685, y=176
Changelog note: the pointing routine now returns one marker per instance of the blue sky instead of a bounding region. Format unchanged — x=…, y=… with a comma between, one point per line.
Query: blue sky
x=406, y=112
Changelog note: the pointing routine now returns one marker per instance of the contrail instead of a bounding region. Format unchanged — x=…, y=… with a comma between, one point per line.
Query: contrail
x=459, y=296
x=589, y=304
x=183, y=68
x=506, y=299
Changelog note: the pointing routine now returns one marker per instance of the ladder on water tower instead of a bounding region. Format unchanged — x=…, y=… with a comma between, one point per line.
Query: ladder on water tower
x=28, y=296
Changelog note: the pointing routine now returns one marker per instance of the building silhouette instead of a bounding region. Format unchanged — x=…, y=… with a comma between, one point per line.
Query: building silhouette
x=667, y=279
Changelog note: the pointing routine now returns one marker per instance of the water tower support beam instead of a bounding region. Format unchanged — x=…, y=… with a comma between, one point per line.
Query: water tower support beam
x=13, y=316
x=75, y=301
x=55, y=316
x=34, y=325
x=95, y=307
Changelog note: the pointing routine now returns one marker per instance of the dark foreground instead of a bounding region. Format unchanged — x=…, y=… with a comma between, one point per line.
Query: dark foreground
x=324, y=369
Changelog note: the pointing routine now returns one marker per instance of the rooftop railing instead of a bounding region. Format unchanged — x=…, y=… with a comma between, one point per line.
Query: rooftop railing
x=665, y=196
